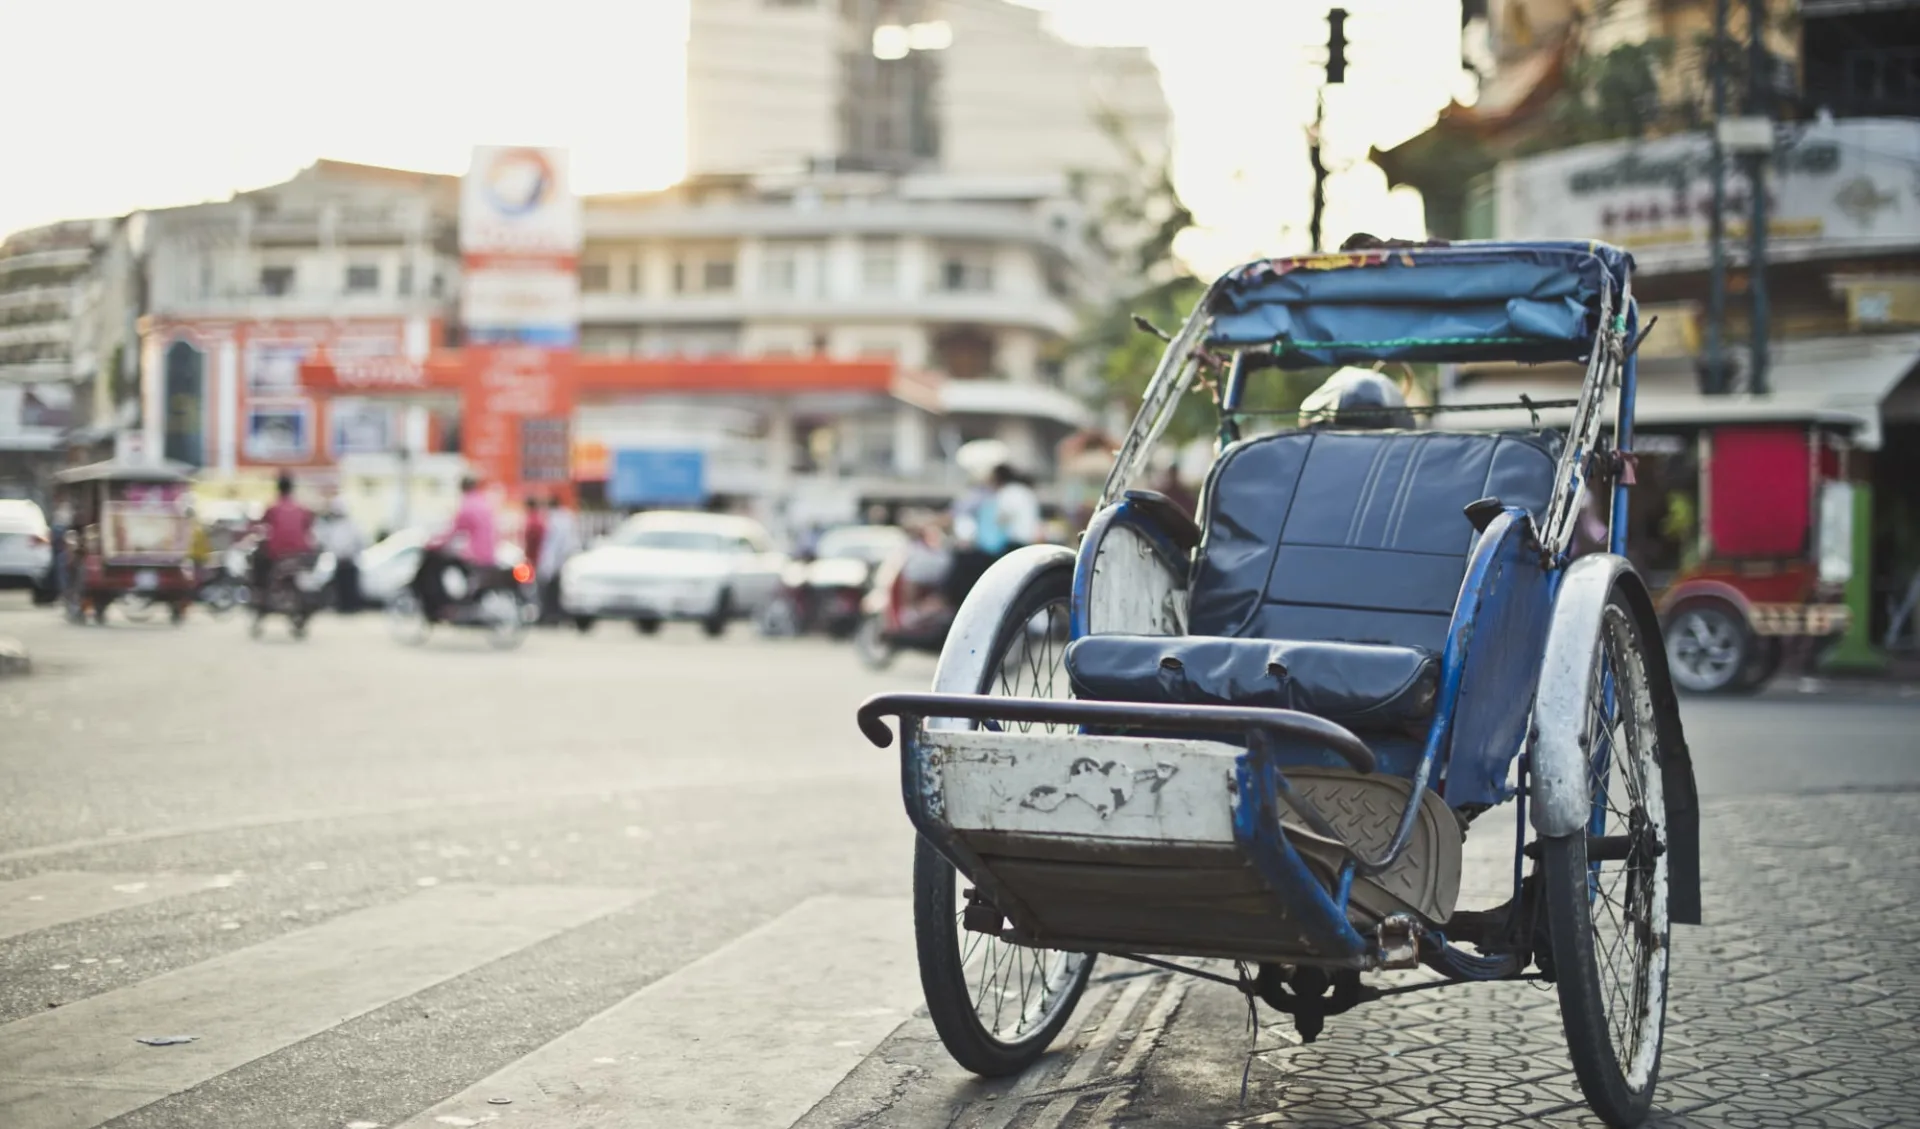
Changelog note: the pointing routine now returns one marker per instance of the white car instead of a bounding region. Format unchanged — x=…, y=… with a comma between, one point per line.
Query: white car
x=390, y=564
x=26, y=546
x=670, y=565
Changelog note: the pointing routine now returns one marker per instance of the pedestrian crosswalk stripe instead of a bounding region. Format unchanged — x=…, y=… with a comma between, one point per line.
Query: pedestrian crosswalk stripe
x=81, y=1065
x=751, y=1035
x=58, y=897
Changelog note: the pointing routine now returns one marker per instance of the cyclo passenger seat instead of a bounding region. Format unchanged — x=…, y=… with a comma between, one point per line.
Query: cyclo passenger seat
x=1327, y=573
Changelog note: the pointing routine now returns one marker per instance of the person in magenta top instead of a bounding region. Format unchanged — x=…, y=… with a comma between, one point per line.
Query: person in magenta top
x=470, y=543
x=287, y=529
x=472, y=532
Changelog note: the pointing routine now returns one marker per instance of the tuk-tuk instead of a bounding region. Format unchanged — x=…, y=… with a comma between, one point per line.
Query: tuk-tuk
x=131, y=536
x=1743, y=525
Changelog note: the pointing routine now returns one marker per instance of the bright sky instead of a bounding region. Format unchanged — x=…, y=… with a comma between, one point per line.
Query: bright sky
x=121, y=104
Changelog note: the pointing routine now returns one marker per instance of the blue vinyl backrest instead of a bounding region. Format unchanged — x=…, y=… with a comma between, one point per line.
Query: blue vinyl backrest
x=1356, y=536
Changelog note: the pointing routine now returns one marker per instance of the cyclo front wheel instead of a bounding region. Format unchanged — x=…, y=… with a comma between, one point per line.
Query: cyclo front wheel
x=1606, y=890
x=998, y=1005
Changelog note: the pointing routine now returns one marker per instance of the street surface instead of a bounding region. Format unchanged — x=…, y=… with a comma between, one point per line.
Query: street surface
x=622, y=881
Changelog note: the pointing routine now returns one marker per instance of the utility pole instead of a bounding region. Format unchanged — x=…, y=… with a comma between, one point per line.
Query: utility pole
x=1336, y=74
x=1713, y=380
x=1759, y=82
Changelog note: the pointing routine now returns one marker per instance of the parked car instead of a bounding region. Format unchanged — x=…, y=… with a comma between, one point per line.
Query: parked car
x=26, y=548
x=388, y=565
x=665, y=565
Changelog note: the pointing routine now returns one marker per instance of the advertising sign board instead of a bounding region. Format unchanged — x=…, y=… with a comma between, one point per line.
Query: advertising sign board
x=520, y=232
x=1832, y=186
x=658, y=477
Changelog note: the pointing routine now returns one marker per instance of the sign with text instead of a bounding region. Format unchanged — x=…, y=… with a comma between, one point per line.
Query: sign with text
x=1835, y=184
x=545, y=451
x=658, y=477
x=504, y=387
x=520, y=232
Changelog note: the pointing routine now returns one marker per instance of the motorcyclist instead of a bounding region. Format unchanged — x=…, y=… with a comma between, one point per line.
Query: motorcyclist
x=469, y=544
x=286, y=531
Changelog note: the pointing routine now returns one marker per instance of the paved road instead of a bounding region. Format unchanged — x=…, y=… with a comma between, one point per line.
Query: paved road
x=662, y=882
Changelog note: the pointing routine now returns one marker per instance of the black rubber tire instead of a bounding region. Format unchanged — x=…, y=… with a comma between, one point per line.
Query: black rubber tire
x=942, y=972
x=647, y=626
x=715, y=625
x=1742, y=635
x=177, y=614
x=1763, y=662
x=583, y=623
x=874, y=651
x=1565, y=878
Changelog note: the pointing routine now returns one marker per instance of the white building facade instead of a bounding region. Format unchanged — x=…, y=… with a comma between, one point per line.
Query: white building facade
x=66, y=342
x=971, y=87
x=972, y=282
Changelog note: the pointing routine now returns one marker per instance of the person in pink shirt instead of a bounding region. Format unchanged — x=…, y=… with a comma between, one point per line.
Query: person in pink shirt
x=472, y=533
x=286, y=531
x=470, y=543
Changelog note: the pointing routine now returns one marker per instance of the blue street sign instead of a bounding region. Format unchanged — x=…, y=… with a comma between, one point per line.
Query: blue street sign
x=658, y=477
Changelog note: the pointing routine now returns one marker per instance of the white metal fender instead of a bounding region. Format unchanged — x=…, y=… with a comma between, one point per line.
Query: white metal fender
x=1561, y=804
x=969, y=647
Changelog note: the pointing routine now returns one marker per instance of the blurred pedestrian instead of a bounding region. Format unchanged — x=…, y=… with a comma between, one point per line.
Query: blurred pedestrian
x=533, y=533
x=560, y=542
x=1016, y=511
x=338, y=534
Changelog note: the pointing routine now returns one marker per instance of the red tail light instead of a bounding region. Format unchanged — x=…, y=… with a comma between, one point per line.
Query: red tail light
x=523, y=572
x=38, y=539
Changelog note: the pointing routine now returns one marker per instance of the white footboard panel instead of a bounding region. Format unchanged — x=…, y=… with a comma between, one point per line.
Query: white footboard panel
x=1146, y=790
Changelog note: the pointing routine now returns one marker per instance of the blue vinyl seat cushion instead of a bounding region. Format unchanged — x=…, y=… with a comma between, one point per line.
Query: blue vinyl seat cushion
x=1327, y=574
x=1361, y=686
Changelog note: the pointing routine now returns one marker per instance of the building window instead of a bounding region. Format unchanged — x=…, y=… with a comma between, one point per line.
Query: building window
x=405, y=282
x=966, y=269
x=679, y=277
x=634, y=275
x=595, y=278
x=880, y=266
x=363, y=278
x=276, y=281
x=716, y=275
x=779, y=270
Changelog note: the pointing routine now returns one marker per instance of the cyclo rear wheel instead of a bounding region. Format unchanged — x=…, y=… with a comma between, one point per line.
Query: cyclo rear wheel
x=998, y=1005
x=1607, y=917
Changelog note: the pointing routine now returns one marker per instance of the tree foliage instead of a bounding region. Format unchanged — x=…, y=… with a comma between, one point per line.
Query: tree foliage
x=1138, y=218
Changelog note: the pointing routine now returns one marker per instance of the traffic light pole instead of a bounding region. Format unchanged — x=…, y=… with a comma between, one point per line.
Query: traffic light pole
x=1714, y=380
x=1336, y=74
x=1759, y=79
x=1319, y=171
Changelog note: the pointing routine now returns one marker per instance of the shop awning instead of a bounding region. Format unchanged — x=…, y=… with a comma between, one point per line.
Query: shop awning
x=1836, y=380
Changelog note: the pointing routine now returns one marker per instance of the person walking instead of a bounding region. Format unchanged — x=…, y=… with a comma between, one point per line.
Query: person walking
x=338, y=535
x=559, y=541
x=1016, y=511
x=533, y=533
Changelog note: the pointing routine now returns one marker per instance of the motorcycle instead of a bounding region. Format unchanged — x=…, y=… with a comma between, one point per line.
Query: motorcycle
x=224, y=585
x=819, y=595
x=296, y=588
x=898, y=615
x=496, y=600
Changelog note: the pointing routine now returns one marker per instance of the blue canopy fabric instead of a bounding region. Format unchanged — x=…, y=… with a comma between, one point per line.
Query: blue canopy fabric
x=1461, y=302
